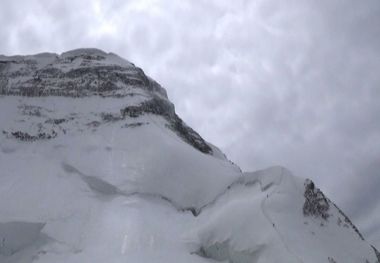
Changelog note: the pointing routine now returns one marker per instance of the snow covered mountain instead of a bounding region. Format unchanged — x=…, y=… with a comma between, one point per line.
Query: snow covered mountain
x=96, y=166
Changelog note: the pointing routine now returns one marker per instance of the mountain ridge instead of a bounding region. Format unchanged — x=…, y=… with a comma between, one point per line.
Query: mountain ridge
x=62, y=75
x=99, y=73
x=98, y=167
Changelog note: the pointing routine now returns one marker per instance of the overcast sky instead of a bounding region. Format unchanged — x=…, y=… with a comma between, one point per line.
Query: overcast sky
x=295, y=82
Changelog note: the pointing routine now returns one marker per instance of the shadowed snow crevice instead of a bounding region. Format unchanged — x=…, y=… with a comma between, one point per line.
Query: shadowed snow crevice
x=17, y=235
x=104, y=188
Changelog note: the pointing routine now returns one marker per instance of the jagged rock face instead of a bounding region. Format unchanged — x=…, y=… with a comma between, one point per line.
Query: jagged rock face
x=84, y=73
x=316, y=203
x=269, y=207
x=76, y=73
x=166, y=109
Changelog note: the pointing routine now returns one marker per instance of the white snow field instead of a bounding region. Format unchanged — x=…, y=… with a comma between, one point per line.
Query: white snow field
x=111, y=174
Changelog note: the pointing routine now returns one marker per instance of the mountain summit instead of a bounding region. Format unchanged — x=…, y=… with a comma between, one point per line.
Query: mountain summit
x=96, y=166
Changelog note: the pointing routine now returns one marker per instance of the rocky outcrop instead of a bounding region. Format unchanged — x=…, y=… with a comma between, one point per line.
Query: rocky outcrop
x=83, y=73
x=76, y=73
x=316, y=204
x=164, y=108
x=26, y=137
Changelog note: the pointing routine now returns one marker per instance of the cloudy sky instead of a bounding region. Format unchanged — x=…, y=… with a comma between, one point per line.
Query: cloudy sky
x=293, y=82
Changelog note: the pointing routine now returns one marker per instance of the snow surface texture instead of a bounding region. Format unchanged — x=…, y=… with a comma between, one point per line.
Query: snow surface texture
x=97, y=167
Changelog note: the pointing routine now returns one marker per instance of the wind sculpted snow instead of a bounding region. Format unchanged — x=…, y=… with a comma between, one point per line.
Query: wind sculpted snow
x=97, y=167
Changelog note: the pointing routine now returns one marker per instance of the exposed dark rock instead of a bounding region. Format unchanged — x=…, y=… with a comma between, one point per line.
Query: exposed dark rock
x=88, y=72
x=56, y=121
x=109, y=117
x=189, y=135
x=316, y=204
x=347, y=221
x=377, y=253
x=94, y=124
x=134, y=125
x=32, y=110
x=156, y=106
x=26, y=137
x=131, y=111
x=164, y=108
x=88, y=78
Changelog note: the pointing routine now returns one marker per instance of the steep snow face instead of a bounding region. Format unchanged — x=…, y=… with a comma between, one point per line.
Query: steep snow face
x=89, y=138
x=96, y=166
x=88, y=72
x=263, y=219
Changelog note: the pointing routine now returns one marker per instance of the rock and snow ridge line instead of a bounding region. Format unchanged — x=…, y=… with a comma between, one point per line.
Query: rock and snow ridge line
x=117, y=166
x=222, y=248
x=258, y=178
x=90, y=72
x=104, y=188
x=155, y=106
x=76, y=73
x=311, y=203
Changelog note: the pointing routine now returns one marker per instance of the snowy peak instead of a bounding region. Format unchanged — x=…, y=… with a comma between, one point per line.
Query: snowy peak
x=96, y=166
x=317, y=205
x=91, y=52
x=273, y=216
x=76, y=73
x=42, y=59
x=84, y=73
x=93, y=57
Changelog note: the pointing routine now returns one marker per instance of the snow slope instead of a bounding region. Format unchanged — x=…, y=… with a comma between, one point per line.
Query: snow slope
x=97, y=167
x=262, y=219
